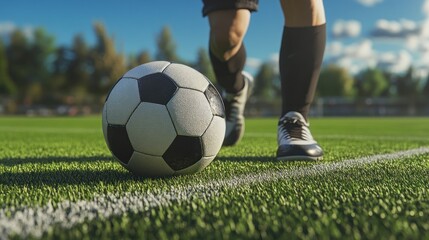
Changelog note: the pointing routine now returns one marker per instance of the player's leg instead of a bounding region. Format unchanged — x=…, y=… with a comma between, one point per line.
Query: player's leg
x=228, y=22
x=301, y=54
x=226, y=48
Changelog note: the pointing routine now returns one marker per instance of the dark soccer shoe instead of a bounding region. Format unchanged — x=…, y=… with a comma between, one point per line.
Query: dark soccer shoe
x=234, y=109
x=295, y=140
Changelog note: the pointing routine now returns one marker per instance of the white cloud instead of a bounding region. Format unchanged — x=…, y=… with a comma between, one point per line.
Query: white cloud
x=417, y=44
x=412, y=43
x=359, y=56
x=404, y=43
x=342, y=28
x=253, y=63
x=362, y=50
x=424, y=28
x=425, y=59
x=395, y=62
x=426, y=8
x=274, y=61
x=334, y=48
x=395, y=29
x=369, y=3
x=6, y=28
x=354, y=57
x=350, y=64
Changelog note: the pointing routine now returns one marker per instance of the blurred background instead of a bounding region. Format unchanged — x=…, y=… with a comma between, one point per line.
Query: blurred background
x=62, y=57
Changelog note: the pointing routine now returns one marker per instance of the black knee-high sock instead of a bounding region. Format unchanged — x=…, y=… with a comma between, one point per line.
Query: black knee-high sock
x=301, y=56
x=228, y=73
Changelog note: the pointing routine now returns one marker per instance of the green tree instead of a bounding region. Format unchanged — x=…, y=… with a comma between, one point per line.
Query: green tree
x=42, y=49
x=29, y=63
x=57, y=84
x=71, y=71
x=372, y=83
x=425, y=90
x=407, y=85
x=264, y=79
x=335, y=81
x=108, y=65
x=18, y=56
x=141, y=58
x=166, y=46
x=7, y=87
x=79, y=69
x=204, y=65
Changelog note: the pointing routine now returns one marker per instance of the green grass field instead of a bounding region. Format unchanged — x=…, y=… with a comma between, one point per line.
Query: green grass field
x=58, y=180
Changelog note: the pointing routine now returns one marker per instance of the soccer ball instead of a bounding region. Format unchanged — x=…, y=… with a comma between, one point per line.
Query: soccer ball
x=163, y=119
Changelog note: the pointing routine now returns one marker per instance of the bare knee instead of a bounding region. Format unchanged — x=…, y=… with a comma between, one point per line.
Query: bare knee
x=223, y=43
x=227, y=31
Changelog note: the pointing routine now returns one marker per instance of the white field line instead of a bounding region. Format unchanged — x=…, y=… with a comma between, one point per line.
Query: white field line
x=25, y=221
x=351, y=137
x=376, y=137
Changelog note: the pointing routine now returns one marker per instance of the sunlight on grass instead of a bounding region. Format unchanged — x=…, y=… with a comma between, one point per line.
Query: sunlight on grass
x=56, y=159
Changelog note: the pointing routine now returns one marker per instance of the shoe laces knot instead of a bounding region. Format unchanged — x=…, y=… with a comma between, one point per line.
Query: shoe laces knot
x=292, y=128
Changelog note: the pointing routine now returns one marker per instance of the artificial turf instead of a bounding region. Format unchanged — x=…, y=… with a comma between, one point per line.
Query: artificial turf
x=48, y=161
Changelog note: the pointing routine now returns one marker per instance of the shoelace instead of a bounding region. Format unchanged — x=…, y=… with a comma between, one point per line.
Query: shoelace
x=292, y=128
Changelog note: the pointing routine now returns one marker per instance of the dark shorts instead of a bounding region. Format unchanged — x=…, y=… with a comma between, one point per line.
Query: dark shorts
x=215, y=5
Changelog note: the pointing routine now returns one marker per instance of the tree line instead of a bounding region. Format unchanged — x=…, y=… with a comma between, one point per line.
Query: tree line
x=336, y=81
x=35, y=71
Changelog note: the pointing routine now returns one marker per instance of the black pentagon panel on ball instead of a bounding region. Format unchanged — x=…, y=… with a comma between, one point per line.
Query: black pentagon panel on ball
x=119, y=143
x=156, y=88
x=215, y=101
x=184, y=152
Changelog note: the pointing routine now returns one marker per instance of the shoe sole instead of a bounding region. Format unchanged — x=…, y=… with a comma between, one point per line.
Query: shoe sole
x=299, y=158
x=311, y=152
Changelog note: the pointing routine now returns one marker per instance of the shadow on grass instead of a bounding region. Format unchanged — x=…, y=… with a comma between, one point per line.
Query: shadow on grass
x=65, y=177
x=266, y=159
x=246, y=159
x=48, y=160
x=60, y=177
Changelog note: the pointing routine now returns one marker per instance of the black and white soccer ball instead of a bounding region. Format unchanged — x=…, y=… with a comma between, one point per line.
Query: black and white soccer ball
x=163, y=119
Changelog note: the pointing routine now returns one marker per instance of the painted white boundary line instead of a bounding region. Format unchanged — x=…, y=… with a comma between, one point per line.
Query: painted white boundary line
x=25, y=221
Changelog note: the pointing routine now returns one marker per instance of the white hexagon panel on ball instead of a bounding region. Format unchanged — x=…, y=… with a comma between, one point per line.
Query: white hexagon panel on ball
x=122, y=101
x=150, y=129
x=190, y=112
x=186, y=77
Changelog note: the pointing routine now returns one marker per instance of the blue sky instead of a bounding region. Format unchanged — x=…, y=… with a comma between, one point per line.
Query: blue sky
x=385, y=33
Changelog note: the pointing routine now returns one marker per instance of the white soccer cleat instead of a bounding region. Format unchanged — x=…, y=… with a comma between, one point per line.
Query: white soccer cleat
x=234, y=109
x=294, y=139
